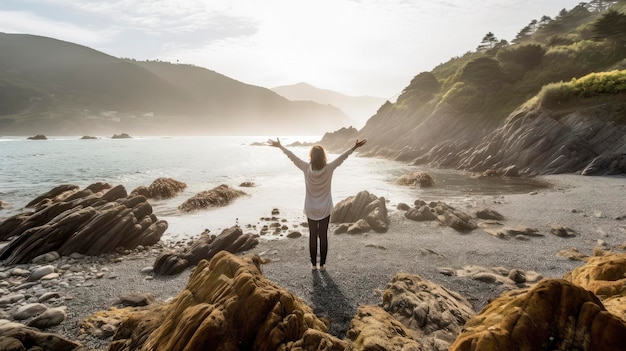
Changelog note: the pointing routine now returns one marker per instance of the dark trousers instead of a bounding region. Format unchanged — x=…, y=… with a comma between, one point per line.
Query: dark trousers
x=318, y=229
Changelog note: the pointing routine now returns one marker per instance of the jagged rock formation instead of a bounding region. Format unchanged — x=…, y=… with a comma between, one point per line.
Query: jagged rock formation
x=92, y=221
x=232, y=240
x=553, y=315
x=374, y=329
x=227, y=305
x=363, y=206
x=433, y=312
x=532, y=140
x=605, y=276
x=221, y=195
x=161, y=188
x=16, y=336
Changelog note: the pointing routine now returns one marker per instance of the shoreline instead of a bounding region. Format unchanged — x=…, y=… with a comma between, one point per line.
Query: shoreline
x=360, y=266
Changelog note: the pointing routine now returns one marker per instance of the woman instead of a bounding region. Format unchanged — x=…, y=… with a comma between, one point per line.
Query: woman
x=318, y=202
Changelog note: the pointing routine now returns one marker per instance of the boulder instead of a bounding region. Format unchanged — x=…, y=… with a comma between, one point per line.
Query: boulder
x=219, y=196
x=453, y=218
x=121, y=136
x=232, y=240
x=21, y=337
x=423, y=213
x=49, y=318
x=435, y=314
x=421, y=179
x=374, y=329
x=552, y=315
x=161, y=188
x=96, y=220
x=38, y=137
x=228, y=305
x=604, y=275
x=362, y=206
x=487, y=213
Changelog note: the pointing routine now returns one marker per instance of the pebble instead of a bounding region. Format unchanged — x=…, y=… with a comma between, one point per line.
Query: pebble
x=29, y=310
x=49, y=318
x=20, y=272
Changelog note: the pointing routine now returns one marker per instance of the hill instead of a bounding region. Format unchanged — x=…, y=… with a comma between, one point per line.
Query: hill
x=358, y=108
x=48, y=86
x=552, y=101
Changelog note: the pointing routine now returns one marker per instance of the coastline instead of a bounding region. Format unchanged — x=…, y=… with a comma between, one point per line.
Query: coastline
x=360, y=266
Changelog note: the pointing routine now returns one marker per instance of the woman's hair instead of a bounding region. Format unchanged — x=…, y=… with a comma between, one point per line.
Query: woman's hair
x=318, y=157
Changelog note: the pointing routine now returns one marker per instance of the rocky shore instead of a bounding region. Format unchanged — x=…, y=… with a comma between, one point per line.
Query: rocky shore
x=474, y=266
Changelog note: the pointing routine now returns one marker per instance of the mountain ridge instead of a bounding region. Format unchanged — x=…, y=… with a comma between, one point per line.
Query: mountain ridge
x=50, y=86
x=358, y=108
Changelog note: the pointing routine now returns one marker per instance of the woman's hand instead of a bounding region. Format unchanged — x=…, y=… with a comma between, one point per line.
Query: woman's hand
x=271, y=142
x=359, y=143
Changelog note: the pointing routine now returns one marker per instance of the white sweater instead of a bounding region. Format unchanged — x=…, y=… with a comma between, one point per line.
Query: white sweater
x=318, y=202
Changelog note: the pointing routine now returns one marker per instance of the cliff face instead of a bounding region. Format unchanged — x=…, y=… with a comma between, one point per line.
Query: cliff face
x=585, y=138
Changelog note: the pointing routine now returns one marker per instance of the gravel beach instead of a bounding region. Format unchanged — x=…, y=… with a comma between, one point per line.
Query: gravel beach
x=360, y=266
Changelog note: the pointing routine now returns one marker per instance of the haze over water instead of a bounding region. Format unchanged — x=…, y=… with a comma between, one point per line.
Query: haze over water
x=31, y=168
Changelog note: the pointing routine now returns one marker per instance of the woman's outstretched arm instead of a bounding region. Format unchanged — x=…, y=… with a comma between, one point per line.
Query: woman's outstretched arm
x=339, y=160
x=295, y=159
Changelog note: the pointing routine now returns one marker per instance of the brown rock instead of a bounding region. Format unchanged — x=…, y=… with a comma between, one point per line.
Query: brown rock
x=227, y=305
x=552, y=315
x=487, y=213
x=362, y=206
x=424, y=213
x=455, y=219
x=232, y=240
x=219, y=196
x=16, y=336
x=428, y=309
x=161, y=188
x=605, y=275
x=422, y=179
x=374, y=329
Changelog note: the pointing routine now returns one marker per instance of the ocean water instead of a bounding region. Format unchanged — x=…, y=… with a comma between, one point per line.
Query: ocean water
x=29, y=168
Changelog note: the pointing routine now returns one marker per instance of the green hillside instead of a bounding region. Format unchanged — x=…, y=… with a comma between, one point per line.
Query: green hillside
x=551, y=100
x=52, y=86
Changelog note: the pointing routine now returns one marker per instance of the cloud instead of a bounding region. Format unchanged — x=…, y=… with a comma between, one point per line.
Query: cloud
x=26, y=22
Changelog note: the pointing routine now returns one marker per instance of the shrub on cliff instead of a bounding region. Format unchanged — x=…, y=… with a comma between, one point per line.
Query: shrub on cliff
x=591, y=85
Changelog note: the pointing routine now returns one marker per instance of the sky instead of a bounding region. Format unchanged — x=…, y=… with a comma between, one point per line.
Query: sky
x=355, y=47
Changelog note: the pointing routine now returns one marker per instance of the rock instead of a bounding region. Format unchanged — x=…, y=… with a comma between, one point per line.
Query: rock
x=604, y=275
x=422, y=179
x=294, y=235
x=247, y=185
x=40, y=272
x=38, y=137
x=49, y=318
x=374, y=329
x=455, y=219
x=88, y=137
x=563, y=232
x=362, y=206
x=161, y=188
x=519, y=232
x=423, y=213
x=572, y=254
x=135, y=300
x=486, y=213
x=359, y=227
x=219, y=196
x=428, y=309
x=9, y=299
x=554, y=312
x=29, y=310
x=48, y=296
x=47, y=257
x=606, y=164
x=32, y=339
x=232, y=240
x=121, y=136
x=227, y=302
x=403, y=207
x=96, y=220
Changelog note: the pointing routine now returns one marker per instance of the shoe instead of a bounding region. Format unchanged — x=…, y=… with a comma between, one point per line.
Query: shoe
x=322, y=268
x=313, y=268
